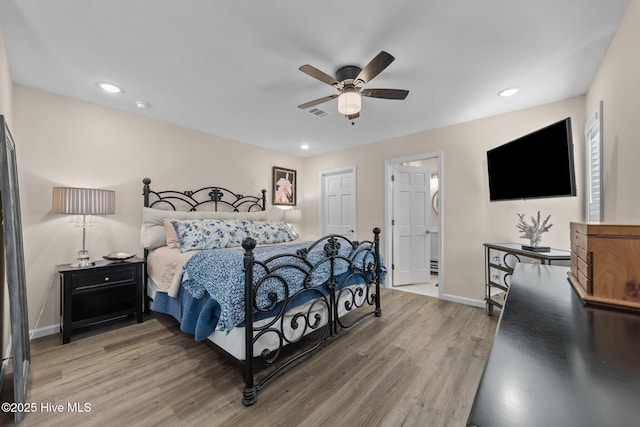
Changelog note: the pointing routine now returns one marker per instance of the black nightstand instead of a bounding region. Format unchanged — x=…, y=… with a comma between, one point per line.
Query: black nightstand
x=105, y=291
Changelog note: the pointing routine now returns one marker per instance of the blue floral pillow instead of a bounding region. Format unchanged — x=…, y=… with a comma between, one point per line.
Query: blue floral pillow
x=266, y=232
x=195, y=234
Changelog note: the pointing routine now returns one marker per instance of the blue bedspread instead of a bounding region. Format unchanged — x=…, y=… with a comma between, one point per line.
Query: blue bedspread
x=212, y=294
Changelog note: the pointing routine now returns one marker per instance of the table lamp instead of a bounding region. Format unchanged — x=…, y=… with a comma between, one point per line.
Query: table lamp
x=83, y=201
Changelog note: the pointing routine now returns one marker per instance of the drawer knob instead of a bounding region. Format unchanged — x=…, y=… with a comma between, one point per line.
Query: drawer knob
x=106, y=279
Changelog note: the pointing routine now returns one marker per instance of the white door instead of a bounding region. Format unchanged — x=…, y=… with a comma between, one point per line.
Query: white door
x=411, y=240
x=339, y=202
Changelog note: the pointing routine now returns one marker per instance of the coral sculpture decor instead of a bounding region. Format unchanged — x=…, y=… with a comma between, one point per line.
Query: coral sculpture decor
x=533, y=231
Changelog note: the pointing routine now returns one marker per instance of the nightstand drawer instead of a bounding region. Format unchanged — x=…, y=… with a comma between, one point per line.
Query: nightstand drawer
x=83, y=281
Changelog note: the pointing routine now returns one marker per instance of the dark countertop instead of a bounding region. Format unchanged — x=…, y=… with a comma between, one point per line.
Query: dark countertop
x=556, y=362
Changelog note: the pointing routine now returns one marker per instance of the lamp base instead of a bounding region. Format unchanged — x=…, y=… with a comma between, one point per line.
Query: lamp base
x=83, y=264
x=83, y=260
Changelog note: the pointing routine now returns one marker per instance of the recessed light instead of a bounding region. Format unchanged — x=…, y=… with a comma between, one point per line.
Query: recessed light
x=142, y=104
x=109, y=87
x=304, y=146
x=509, y=92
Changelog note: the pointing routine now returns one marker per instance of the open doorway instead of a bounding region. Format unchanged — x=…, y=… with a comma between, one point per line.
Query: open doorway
x=413, y=248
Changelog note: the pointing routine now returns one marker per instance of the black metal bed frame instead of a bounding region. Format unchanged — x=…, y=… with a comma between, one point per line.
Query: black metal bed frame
x=362, y=261
x=212, y=198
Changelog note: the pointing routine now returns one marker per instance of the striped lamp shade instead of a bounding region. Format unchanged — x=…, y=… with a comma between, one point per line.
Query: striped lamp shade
x=83, y=201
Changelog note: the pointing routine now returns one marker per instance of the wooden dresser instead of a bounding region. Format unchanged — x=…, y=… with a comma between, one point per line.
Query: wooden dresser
x=605, y=263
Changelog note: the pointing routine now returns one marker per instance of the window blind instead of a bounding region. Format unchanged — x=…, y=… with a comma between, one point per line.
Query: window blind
x=593, y=140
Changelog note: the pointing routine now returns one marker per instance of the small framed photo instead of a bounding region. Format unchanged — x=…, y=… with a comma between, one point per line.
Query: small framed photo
x=284, y=187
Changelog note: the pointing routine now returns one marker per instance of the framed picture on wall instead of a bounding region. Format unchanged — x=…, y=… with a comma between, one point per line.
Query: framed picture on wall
x=284, y=187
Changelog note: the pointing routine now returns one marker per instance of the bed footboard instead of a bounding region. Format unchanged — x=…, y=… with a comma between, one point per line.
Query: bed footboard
x=330, y=286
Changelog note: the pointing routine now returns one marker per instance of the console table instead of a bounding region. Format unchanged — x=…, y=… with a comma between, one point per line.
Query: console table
x=501, y=258
x=557, y=362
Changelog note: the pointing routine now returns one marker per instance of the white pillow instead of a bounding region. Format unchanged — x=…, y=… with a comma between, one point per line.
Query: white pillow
x=204, y=215
x=170, y=235
x=275, y=214
x=152, y=234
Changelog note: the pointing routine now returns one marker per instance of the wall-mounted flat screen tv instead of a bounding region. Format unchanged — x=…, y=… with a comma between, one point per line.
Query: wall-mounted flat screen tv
x=536, y=165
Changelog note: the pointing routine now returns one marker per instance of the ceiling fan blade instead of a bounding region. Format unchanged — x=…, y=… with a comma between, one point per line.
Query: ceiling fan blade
x=375, y=67
x=385, y=93
x=353, y=116
x=317, y=74
x=317, y=101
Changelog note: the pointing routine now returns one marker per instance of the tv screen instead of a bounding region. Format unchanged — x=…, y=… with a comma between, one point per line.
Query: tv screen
x=536, y=165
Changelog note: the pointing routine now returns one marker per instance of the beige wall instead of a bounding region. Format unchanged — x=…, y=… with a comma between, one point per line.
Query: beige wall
x=64, y=142
x=468, y=218
x=617, y=84
x=6, y=85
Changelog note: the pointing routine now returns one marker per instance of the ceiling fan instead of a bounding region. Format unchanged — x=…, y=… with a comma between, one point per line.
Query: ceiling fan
x=349, y=82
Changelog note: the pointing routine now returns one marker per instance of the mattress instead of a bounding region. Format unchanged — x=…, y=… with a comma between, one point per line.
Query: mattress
x=233, y=342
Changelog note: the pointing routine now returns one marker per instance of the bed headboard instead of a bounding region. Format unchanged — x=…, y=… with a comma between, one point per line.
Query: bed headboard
x=206, y=198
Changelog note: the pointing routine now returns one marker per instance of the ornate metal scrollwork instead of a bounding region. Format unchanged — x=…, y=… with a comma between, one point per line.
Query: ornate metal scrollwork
x=215, y=195
x=332, y=247
x=210, y=198
x=273, y=298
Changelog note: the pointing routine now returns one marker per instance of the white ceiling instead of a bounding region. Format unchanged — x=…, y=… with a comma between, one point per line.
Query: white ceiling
x=230, y=68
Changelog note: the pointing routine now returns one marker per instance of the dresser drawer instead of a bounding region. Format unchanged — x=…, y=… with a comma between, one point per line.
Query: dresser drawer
x=574, y=264
x=579, y=240
x=503, y=259
x=583, y=255
x=584, y=268
x=92, y=279
x=607, y=271
x=500, y=277
x=586, y=283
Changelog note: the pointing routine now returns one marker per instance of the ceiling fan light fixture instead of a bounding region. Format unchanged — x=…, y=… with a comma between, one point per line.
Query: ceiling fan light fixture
x=349, y=82
x=349, y=102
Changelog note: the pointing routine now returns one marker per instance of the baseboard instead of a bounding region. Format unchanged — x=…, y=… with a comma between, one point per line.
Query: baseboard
x=462, y=300
x=43, y=332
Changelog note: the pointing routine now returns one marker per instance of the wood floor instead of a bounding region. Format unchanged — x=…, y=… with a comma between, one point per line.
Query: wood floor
x=417, y=365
